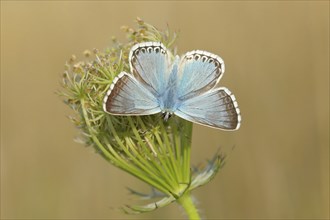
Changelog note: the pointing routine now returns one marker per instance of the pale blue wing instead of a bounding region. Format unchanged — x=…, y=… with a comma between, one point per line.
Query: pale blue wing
x=128, y=96
x=199, y=71
x=216, y=108
x=149, y=62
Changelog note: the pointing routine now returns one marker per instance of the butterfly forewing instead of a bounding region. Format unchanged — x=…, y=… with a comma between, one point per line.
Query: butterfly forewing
x=216, y=108
x=150, y=65
x=127, y=96
x=199, y=72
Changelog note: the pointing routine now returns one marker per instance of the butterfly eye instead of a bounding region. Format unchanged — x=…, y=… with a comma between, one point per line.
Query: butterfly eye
x=222, y=94
x=232, y=111
x=137, y=52
x=230, y=106
x=228, y=100
x=133, y=59
x=189, y=57
x=196, y=57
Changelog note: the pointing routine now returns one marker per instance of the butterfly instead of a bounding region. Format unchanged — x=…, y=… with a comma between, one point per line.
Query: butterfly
x=184, y=86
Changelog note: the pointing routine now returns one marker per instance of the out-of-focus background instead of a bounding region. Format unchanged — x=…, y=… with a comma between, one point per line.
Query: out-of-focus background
x=277, y=65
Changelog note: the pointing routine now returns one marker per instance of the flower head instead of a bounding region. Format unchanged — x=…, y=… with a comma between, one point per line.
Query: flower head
x=147, y=147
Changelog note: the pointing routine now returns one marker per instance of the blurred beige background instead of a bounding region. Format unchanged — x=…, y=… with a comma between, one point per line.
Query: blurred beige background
x=277, y=64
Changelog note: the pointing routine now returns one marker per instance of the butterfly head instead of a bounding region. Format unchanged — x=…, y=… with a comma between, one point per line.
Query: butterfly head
x=166, y=115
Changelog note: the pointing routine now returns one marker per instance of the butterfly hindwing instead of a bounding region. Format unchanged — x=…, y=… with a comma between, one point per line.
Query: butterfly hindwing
x=199, y=72
x=149, y=62
x=216, y=108
x=127, y=96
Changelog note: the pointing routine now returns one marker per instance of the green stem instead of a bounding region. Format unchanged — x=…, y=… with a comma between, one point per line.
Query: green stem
x=186, y=139
x=186, y=202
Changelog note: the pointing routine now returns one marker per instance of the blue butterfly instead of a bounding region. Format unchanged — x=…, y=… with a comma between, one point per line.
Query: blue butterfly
x=184, y=86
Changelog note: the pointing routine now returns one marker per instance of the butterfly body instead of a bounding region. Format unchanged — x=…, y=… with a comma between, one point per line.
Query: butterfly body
x=168, y=101
x=185, y=87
